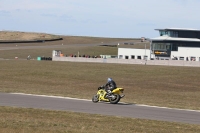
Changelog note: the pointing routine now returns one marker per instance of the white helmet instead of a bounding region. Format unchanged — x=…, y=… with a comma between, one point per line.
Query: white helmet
x=109, y=79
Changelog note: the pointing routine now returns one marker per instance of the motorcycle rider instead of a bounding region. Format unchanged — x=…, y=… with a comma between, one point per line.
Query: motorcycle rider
x=110, y=86
x=29, y=57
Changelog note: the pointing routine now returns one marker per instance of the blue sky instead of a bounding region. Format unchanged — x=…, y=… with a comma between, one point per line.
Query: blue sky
x=99, y=18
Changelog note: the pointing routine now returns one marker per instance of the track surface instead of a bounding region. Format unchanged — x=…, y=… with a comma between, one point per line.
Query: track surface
x=86, y=106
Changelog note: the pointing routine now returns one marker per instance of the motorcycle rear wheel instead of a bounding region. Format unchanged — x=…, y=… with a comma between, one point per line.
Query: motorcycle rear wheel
x=116, y=99
x=95, y=98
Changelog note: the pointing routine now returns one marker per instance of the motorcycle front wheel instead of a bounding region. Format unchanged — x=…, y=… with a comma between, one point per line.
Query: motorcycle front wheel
x=115, y=98
x=95, y=98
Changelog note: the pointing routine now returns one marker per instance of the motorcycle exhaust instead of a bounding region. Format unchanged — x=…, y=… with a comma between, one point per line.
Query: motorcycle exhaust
x=122, y=96
x=113, y=96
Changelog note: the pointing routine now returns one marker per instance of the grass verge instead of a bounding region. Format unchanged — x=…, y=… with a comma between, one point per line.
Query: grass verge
x=176, y=87
x=18, y=120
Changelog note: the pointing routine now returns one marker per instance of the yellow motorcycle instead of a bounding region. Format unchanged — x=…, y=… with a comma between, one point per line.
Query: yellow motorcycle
x=102, y=95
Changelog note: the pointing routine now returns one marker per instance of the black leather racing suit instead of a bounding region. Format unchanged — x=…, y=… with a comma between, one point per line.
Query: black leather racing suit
x=111, y=85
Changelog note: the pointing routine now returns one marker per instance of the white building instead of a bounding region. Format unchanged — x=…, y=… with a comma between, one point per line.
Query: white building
x=129, y=53
x=173, y=43
x=187, y=53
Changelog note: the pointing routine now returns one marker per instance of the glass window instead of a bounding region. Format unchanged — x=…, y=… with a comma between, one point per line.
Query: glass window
x=132, y=56
x=174, y=47
x=139, y=57
x=145, y=57
x=181, y=58
x=163, y=32
x=193, y=58
x=174, y=33
x=120, y=56
x=168, y=46
x=161, y=46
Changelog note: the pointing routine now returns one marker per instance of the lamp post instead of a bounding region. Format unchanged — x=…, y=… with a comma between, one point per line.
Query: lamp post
x=149, y=40
x=151, y=48
x=145, y=51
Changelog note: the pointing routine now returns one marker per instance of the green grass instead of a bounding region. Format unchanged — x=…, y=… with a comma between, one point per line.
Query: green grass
x=19, y=120
x=176, y=87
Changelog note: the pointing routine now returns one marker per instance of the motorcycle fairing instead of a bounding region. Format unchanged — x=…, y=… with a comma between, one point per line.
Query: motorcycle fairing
x=118, y=90
x=101, y=93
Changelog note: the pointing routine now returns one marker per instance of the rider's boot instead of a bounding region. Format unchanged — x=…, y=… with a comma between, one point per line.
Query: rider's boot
x=109, y=91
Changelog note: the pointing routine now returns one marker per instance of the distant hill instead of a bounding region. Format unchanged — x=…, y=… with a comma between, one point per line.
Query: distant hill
x=32, y=37
x=25, y=36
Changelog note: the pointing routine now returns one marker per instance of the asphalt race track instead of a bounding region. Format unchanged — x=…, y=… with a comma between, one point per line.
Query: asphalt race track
x=87, y=106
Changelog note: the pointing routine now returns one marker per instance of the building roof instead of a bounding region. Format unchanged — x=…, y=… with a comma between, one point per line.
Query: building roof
x=179, y=29
x=167, y=38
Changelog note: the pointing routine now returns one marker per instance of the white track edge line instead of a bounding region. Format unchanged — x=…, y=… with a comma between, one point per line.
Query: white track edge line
x=143, y=105
x=52, y=96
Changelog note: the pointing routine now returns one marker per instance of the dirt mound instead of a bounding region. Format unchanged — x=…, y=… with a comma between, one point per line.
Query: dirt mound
x=16, y=35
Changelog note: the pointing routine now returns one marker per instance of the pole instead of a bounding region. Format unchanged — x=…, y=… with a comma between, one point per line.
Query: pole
x=145, y=50
x=145, y=55
x=150, y=48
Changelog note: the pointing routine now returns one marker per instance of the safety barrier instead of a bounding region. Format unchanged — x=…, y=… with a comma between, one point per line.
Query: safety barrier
x=130, y=61
x=44, y=58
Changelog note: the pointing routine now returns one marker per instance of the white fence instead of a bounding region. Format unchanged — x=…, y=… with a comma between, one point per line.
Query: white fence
x=130, y=61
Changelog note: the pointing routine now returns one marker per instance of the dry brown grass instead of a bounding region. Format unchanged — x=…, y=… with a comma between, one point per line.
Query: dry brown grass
x=16, y=120
x=17, y=35
x=153, y=85
x=47, y=52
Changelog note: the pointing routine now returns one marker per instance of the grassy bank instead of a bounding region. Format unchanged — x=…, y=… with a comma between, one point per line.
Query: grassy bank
x=47, y=52
x=176, y=87
x=18, y=120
